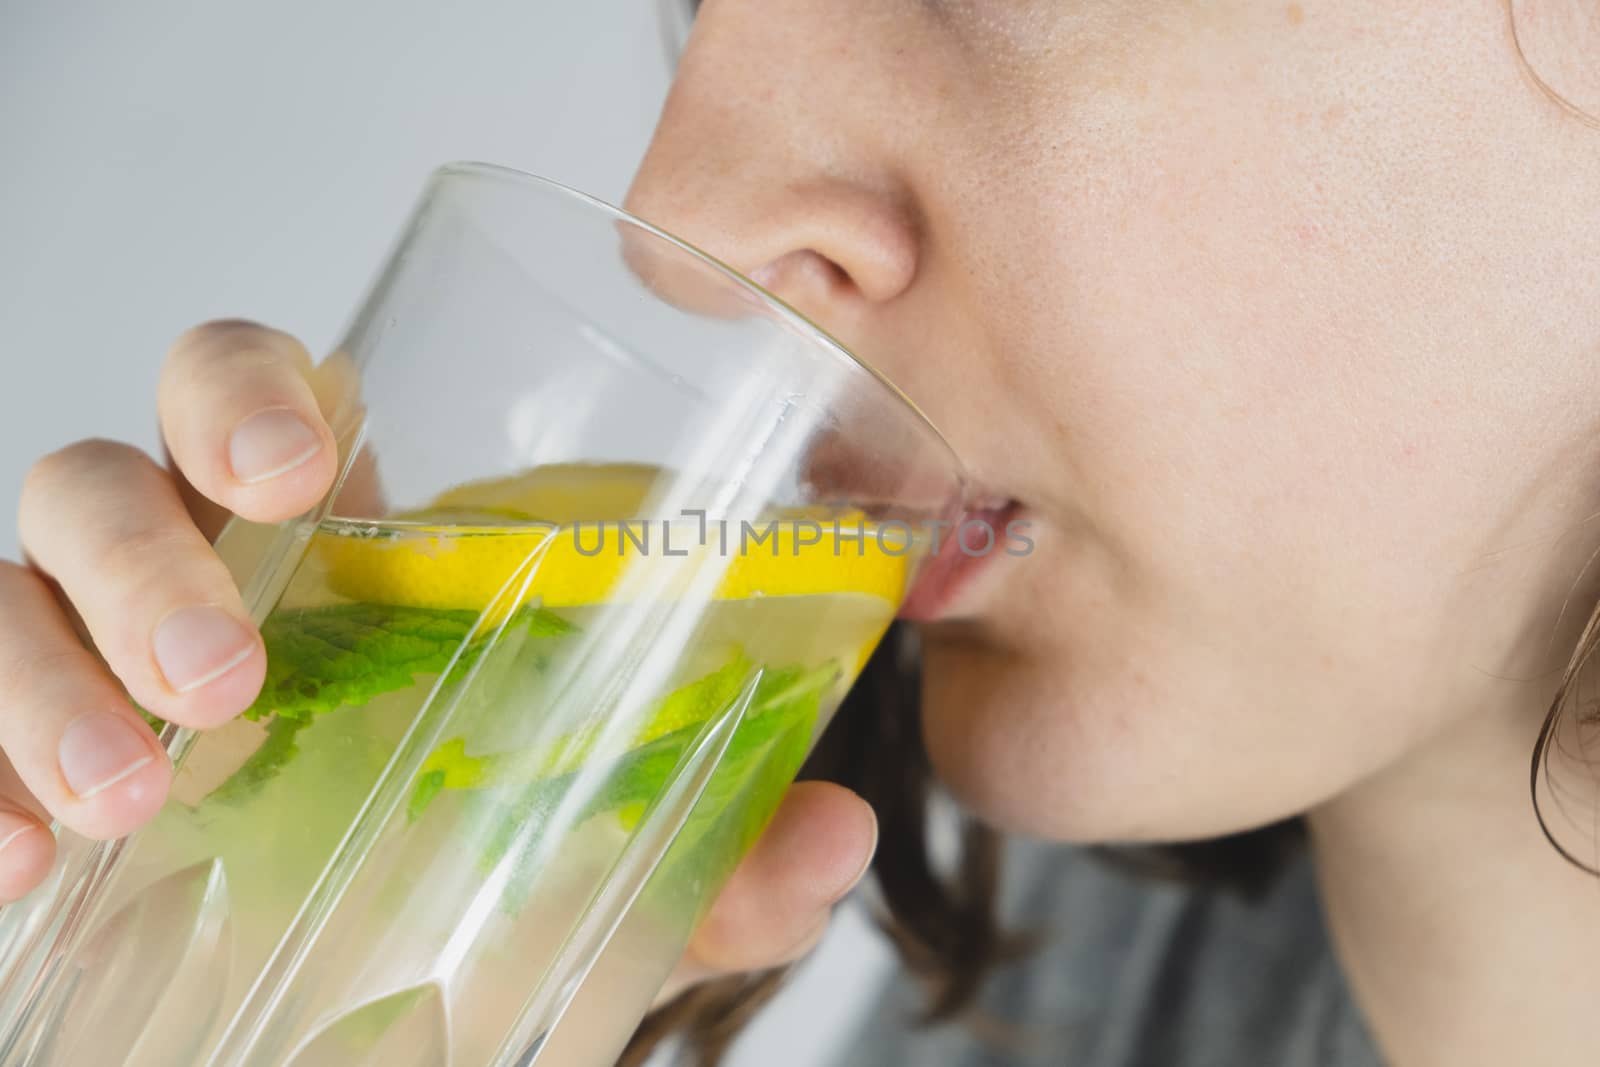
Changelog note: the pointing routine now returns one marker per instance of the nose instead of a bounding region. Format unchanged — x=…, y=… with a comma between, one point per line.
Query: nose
x=757, y=168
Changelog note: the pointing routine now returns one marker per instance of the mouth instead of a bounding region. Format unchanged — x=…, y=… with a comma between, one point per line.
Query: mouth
x=978, y=538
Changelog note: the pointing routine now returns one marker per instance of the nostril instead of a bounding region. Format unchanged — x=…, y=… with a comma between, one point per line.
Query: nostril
x=863, y=239
x=805, y=279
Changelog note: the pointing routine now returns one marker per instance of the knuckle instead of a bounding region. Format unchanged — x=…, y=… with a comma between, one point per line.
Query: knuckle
x=18, y=585
x=229, y=341
x=71, y=464
x=218, y=333
x=27, y=676
x=175, y=575
x=147, y=549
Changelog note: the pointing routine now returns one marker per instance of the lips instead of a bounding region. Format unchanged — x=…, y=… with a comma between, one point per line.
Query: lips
x=977, y=538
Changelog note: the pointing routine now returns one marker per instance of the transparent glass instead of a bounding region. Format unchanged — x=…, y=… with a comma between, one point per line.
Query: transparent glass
x=614, y=532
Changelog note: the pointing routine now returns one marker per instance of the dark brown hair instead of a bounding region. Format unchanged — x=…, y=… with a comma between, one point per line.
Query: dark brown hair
x=1566, y=775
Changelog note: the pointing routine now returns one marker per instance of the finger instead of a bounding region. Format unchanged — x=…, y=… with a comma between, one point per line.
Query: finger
x=27, y=850
x=70, y=734
x=776, y=905
x=13, y=793
x=337, y=387
x=208, y=516
x=27, y=847
x=242, y=421
x=106, y=524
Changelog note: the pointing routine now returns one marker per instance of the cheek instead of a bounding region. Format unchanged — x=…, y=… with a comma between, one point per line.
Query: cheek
x=1290, y=482
x=1251, y=345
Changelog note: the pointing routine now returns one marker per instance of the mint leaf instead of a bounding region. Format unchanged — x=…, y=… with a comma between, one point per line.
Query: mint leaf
x=338, y=655
x=429, y=783
x=782, y=700
x=688, y=705
x=319, y=659
x=761, y=759
x=692, y=704
x=448, y=767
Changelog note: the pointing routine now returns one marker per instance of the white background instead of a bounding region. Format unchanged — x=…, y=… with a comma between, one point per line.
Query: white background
x=162, y=163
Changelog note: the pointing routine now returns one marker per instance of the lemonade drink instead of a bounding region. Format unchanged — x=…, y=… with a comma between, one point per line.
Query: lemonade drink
x=477, y=724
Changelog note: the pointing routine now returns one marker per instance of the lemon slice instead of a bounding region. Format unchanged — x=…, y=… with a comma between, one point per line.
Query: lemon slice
x=576, y=526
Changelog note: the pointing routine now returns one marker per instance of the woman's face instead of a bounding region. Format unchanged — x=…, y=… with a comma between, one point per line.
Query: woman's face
x=1280, y=322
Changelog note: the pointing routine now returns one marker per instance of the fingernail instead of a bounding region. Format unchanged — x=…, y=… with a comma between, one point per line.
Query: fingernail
x=98, y=750
x=269, y=443
x=197, y=644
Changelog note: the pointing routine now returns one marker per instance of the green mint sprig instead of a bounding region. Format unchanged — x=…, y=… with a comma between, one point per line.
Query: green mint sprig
x=762, y=757
x=323, y=658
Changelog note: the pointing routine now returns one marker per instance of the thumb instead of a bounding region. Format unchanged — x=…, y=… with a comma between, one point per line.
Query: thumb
x=776, y=906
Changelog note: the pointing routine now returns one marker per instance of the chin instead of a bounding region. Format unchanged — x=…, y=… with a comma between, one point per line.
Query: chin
x=1031, y=753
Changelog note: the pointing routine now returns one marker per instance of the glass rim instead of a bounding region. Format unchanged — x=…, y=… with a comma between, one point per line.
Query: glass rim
x=476, y=170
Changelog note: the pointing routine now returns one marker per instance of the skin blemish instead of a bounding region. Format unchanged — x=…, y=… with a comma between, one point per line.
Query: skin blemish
x=1296, y=13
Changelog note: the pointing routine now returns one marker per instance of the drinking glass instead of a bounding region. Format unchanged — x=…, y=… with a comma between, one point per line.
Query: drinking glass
x=613, y=532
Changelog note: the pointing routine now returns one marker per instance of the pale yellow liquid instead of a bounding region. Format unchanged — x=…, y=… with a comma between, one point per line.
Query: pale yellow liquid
x=438, y=939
